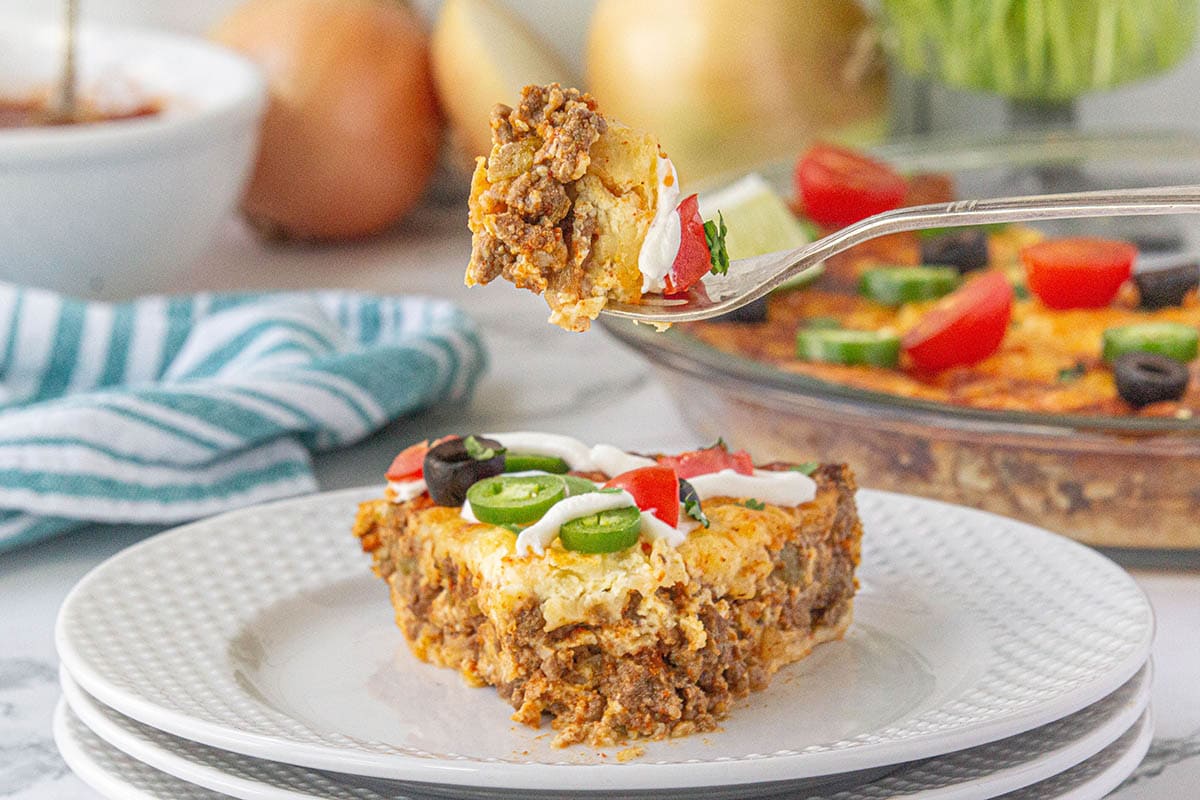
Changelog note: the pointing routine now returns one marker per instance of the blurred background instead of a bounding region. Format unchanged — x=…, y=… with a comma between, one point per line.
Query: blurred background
x=337, y=153
x=1164, y=92
x=726, y=86
x=1169, y=99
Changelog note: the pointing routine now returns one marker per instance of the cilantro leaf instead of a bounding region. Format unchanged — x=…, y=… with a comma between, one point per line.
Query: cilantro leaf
x=1073, y=373
x=714, y=235
x=691, y=503
x=807, y=467
x=754, y=505
x=477, y=450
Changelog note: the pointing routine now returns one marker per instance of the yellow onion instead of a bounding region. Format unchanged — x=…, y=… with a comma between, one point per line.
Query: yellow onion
x=351, y=134
x=483, y=55
x=729, y=84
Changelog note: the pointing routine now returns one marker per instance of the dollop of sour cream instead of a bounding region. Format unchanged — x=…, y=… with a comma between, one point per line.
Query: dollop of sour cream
x=613, y=460
x=571, y=450
x=545, y=531
x=403, y=491
x=661, y=244
x=789, y=488
x=601, y=458
x=654, y=528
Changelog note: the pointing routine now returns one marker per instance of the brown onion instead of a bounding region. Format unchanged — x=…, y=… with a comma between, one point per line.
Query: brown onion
x=729, y=84
x=351, y=134
x=482, y=55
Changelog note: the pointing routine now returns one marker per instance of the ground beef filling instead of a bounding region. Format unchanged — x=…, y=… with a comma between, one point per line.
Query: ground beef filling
x=536, y=239
x=591, y=695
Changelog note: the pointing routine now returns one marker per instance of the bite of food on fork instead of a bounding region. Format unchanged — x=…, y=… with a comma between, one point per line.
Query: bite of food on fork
x=588, y=212
x=583, y=210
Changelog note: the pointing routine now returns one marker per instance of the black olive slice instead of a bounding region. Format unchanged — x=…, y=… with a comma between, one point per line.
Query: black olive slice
x=965, y=250
x=754, y=311
x=1145, y=378
x=451, y=469
x=1161, y=288
x=1156, y=241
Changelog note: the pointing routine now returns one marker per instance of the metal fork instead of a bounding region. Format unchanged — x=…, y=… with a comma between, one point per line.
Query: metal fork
x=750, y=278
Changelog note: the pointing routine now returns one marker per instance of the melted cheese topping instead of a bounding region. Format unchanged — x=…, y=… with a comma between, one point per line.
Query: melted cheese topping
x=733, y=554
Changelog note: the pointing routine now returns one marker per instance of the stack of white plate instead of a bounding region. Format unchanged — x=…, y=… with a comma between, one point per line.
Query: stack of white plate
x=254, y=655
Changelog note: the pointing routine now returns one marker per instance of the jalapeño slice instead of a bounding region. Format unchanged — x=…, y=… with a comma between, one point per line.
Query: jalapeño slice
x=504, y=498
x=894, y=286
x=1171, y=339
x=844, y=346
x=527, y=462
x=577, y=485
x=605, y=532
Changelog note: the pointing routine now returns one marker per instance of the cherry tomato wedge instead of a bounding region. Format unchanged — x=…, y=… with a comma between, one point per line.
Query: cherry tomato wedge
x=693, y=260
x=709, y=460
x=654, y=488
x=840, y=186
x=409, y=464
x=965, y=327
x=1078, y=273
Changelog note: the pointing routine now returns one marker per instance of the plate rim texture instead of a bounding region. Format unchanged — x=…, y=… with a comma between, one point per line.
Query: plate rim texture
x=80, y=747
x=921, y=740
x=1057, y=746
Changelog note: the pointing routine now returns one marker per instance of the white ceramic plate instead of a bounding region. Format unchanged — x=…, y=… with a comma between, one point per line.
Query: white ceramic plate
x=118, y=776
x=1099, y=775
x=264, y=633
x=983, y=771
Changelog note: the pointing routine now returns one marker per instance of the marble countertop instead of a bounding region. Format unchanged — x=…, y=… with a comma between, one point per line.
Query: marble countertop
x=587, y=385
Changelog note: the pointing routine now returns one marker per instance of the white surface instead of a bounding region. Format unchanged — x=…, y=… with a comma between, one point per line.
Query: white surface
x=262, y=631
x=986, y=770
x=578, y=384
x=118, y=776
x=117, y=209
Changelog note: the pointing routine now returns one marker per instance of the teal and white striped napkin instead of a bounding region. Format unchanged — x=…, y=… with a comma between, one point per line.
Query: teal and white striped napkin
x=172, y=408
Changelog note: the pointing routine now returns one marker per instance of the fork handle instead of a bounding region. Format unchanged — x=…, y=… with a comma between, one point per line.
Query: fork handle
x=1071, y=205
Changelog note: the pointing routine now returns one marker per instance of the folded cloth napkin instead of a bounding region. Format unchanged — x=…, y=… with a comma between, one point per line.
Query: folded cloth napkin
x=170, y=408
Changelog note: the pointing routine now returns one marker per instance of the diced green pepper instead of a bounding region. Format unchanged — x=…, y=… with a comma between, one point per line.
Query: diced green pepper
x=894, y=286
x=1171, y=339
x=844, y=346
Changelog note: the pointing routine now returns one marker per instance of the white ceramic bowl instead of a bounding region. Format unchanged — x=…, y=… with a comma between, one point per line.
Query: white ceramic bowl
x=116, y=209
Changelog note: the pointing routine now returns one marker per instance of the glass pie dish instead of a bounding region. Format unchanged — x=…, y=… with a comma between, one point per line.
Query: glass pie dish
x=1111, y=481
